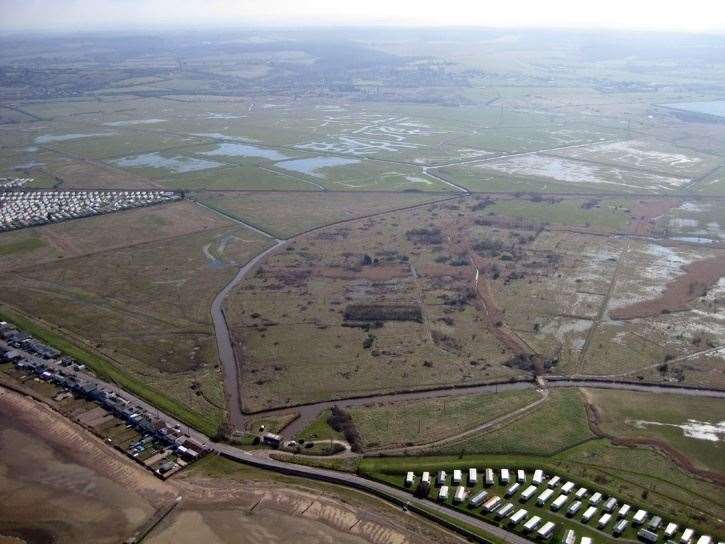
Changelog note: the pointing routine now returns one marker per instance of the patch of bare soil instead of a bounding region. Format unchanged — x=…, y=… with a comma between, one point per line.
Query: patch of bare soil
x=699, y=277
x=251, y=511
x=645, y=213
x=372, y=273
x=676, y=456
x=60, y=484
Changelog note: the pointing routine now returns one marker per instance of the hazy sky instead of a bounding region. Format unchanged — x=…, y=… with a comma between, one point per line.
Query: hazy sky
x=694, y=15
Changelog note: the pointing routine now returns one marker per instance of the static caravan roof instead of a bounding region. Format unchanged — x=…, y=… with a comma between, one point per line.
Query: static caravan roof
x=425, y=479
x=518, y=516
x=478, y=498
x=528, y=493
x=646, y=535
x=670, y=529
x=655, y=523
x=513, y=489
x=624, y=510
x=585, y=540
x=443, y=493
x=409, y=478
x=704, y=539
x=442, y=477
x=547, y=530
x=620, y=527
x=687, y=535
x=554, y=481
x=574, y=508
x=460, y=494
x=532, y=524
x=472, y=475
x=610, y=504
x=520, y=475
x=489, y=476
x=504, y=511
x=567, y=487
x=505, y=476
x=639, y=516
x=545, y=496
x=589, y=513
x=569, y=537
x=581, y=492
x=604, y=520
x=538, y=477
x=457, y=476
x=559, y=502
x=491, y=504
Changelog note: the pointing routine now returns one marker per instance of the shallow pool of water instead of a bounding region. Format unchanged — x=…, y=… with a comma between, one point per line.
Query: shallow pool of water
x=179, y=164
x=49, y=138
x=229, y=149
x=711, y=107
x=312, y=165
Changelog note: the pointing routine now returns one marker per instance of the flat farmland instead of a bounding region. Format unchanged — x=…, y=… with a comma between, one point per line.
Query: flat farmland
x=286, y=216
x=146, y=306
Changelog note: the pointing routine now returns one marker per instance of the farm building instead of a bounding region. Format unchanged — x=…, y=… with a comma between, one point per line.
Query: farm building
x=588, y=514
x=511, y=491
x=546, y=531
x=532, y=524
x=518, y=517
x=504, y=511
x=559, y=502
x=574, y=508
x=596, y=498
x=554, y=481
x=409, y=479
x=528, y=493
x=670, y=530
x=472, y=476
x=478, y=498
x=604, y=520
x=545, y=496
x=520, y=476
x=538, y=477
x=569, y=537
x=647, y=536
x=443, y=493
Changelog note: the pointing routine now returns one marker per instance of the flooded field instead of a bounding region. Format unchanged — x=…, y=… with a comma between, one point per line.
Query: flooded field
x=245, y=150
x=50, y=138
x=313, y=165
x=179, y=164
x=711, y=107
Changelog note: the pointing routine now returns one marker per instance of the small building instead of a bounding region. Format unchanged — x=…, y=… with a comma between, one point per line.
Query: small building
x=686, y=536
x=491, y=504
x=569, y=537
x=647, y=536
x=520, y=475
x=457, y=477
x=442, y=477
x=620, y=527
x=517, y=517
x=546, y=531
x=671, y=529
x=581, y=492
x=559, y=502
x=443, y=493
x=610, y=505
x=505, y=476
x=568, y=487
x=573, y=508
x=654, y=523
x=532, y=524
x=585, y=540
x=528, y=493
x=425, y=479
x=588, y=514
x=504, y=511
x=538, y=477
x=624, y=510
x=472, y=476
x=639, y=517
x=478, y=499
x=459, y=495
x=704, y=539
x=553, y=482
x=409, y=478
x=545, y=496
x=511, y=491
x=489, y=476
x=604, y=520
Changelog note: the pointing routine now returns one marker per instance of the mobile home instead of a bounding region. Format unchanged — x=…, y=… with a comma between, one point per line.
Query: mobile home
x=654, y=523
x=574, y=508
x=596, y=498
x=558, y=502
x=504, y=511
x=518, y=517
x=505, y=476
x=620, y=527
x=528, y=493
x=442, y=476
x=546, y=531
x=588, y=514
x=569, y=537
x=567, y=487
x=687, y=535
x=581, y=492
x=489, y=476
x=472, y=476
x=491, y=504
x=409, y=479
x=520, y=476
x=545, y=496
x=604, y=520
x=425, y=479
x=460, y=494
x=670, y=530
x=639, y=517
x=585, y=540
x=624, y=510
x=532, y=524
x=647, y=536
x=554, y=481
x=478, y=499
x=457, y=477
x=443, y=493
x=511, y=491
x=538, y=477
x=704, y=539
x=610, y=505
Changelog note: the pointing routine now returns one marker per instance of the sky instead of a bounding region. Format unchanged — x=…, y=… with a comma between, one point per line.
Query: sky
x=74, y=15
